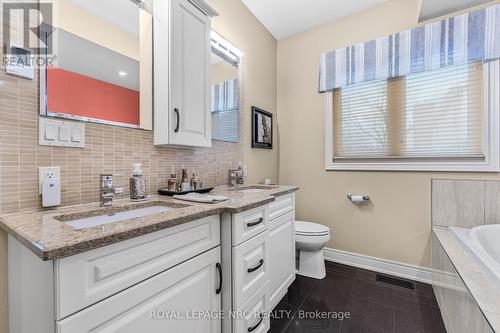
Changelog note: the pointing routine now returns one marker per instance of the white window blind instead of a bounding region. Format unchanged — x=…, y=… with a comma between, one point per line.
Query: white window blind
x=362, y=123
x=437, y=114
x=225, y=125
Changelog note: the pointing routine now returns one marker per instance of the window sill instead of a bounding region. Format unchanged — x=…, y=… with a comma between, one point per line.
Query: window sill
x=415, y=166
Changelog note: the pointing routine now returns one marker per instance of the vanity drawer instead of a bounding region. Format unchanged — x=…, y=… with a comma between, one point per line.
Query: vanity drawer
x=282, y=205
x=249, y=223
x=250, y=321
x=87, y=278
x=250, y=268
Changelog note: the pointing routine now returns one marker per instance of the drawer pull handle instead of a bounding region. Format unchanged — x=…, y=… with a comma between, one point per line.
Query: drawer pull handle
x=178, y=120
x=253, y=328
x=251, y=270
x=219, y=269
x=253, y=224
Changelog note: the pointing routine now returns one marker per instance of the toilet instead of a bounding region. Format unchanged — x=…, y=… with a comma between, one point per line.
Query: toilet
x=310, y=239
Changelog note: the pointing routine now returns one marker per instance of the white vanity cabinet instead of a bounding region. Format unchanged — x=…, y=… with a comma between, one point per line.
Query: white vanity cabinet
x=130, y=286
x=259, y=246
x=181, y=72
x=180, y=291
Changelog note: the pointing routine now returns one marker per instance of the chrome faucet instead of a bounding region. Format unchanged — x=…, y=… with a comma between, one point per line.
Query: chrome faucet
x=106, y=190
x=232, y=179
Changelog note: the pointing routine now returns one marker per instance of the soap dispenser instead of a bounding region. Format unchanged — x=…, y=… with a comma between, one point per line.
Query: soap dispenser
x=138, y=184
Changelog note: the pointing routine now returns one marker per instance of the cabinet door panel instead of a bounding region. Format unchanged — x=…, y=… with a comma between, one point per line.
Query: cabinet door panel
x=190, y=90
x=188, y=287
x=282, y=257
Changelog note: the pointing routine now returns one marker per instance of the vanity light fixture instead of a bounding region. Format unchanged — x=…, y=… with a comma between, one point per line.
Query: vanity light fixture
x=224, y=49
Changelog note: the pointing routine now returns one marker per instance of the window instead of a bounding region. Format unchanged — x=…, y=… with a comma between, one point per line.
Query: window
x=437, y=120
x=225, y=125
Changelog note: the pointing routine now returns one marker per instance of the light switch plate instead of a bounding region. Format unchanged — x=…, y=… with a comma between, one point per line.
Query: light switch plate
x=76, y=135
x=50, y=132
x=64, y=133
x=47, y=172
x=61, y=133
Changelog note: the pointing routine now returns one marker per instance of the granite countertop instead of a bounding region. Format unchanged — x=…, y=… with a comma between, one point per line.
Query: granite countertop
x=477, y=281
x=49, y=238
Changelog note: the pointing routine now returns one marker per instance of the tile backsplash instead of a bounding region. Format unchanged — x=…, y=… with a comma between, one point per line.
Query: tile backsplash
x=465, y=203
x=108, y=149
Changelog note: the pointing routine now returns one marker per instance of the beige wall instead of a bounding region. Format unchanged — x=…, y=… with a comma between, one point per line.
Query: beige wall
x=223, y=71
x=396, y=224
x=238, y=25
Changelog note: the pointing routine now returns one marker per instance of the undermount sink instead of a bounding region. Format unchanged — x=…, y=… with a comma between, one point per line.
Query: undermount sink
x=255, y=188
x=109, y=215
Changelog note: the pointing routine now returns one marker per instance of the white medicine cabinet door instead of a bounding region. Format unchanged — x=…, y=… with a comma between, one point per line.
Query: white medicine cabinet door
x=182, y=102
x=159, y=304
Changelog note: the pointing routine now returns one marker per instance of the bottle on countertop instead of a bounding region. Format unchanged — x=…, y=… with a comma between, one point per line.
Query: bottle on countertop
x=173, y=182
x=195, y=182
x=185, y=185
x=137, y=184
x=240, y=174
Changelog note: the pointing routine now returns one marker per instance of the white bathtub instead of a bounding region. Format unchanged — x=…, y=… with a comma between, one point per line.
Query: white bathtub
x=484, y=244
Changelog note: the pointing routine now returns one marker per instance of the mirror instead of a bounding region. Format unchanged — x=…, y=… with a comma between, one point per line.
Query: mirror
x=101, y=67
x=225, y=74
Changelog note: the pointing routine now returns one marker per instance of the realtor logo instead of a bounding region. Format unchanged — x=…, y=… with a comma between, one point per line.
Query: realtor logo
x=23, y=26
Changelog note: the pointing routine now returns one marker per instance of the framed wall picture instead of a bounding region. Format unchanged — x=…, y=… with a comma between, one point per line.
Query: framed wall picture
x=262, y=128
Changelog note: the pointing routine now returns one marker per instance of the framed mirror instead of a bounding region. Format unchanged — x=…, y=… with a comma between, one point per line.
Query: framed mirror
x=225, y=70
x=101, y=68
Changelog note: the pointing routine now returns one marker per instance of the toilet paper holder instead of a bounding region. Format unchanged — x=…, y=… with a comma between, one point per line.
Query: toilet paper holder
x=366, y=197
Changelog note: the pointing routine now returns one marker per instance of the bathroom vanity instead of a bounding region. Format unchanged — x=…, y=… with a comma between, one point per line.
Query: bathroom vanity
x=159, y=266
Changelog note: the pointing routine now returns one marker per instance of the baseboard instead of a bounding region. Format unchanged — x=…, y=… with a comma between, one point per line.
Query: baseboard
x=407, y=271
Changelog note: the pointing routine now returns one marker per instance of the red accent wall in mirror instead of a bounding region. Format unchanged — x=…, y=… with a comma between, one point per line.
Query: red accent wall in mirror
x=77, y=94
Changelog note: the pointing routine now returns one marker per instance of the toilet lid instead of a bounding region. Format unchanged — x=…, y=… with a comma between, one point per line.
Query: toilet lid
x=309, y=228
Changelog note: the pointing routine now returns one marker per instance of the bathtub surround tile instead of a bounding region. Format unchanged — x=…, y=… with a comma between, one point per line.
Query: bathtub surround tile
x=373, y=306
x=492, y=202
x=465, y=203
x=471, y=292
x=458, y=203
x=467, y=312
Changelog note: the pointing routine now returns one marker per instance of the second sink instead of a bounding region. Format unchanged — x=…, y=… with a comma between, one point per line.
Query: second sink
x=255, y=188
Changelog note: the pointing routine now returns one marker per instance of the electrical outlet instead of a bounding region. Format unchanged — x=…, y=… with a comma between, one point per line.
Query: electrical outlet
x=47, y=173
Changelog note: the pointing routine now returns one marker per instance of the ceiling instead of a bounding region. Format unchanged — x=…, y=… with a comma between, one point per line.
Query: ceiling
x=432, y=8
x=284, y=18
x=84, y=57
x=121, y=13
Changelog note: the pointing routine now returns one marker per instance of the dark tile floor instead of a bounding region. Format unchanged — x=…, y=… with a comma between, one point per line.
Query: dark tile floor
x=372, y=306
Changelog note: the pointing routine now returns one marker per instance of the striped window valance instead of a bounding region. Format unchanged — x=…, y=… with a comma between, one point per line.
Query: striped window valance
x=225, y=96
x=473, y=36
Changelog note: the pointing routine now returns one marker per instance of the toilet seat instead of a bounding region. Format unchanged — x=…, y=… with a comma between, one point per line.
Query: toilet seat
x=310, y=229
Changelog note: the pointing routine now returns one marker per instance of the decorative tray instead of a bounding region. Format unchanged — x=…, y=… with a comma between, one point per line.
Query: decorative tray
x=172, y=193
